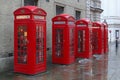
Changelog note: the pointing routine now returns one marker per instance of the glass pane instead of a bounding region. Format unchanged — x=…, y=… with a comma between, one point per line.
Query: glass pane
x=22, y=44
x=71, y=42
x=94, y=40
x=81, y=41
x=39, y=44
x=59, y=42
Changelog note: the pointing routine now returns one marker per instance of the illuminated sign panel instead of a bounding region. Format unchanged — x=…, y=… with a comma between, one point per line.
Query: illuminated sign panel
x=59, y=22
x=39, y=17
x=23, y=17
x=82, y=25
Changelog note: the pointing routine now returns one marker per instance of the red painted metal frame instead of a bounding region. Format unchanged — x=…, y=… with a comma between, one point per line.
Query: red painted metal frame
x=25, y=16
x=105, y=37
x=84, y=49
x=97, y=38
x=63, y=52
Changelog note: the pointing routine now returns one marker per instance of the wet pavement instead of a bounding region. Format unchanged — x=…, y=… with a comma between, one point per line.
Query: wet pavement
x=101, y=67
x=114, y=62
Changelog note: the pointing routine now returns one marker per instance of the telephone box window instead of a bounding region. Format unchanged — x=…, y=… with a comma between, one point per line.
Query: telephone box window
x=39, y=44
x=95, y=40
x=81, y=41
x=22, y=47
x=59, y=43
x=72, y=42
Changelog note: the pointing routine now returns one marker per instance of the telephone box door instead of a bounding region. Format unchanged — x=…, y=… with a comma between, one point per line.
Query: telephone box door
x=81, y=41
x=95, y=40
x=22, y=43
x=58, y=44
x=40, y=43
x=72, y=41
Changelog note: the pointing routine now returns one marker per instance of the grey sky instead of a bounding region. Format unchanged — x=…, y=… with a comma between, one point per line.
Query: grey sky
x=111, y=9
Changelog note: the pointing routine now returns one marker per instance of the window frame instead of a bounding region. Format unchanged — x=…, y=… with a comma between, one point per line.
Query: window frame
x=76, y=14
x=34, y=2
x=47, y=0
x=62, y=7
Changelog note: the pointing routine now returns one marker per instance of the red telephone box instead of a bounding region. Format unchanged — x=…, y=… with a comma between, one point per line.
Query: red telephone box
x=105, y=37
x=29, y=40
x=97, y=38
x=63, y=39
x=83, y=39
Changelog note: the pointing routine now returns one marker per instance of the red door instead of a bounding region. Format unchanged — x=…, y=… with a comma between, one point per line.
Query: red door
x=72, y=41
x=21, y=45
x=58, y=45
x=81, y=41
x=40, y=43
x=95, y=40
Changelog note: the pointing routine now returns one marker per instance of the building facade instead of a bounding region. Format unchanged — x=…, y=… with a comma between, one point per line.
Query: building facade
x=95, y=10
x=76, y=8
x=112, y=16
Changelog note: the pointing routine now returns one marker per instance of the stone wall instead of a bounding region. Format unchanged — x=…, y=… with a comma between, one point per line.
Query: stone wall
x=6, y=33
x=69, y=7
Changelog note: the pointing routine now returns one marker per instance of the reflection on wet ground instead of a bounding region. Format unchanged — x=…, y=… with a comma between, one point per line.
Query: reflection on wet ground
x=114, y=62
x=101, y=67
x=81, y=70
